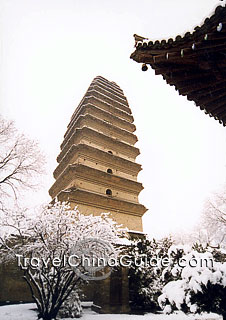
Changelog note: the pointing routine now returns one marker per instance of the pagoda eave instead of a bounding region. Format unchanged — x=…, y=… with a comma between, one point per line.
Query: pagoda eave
x=91, y=121
x=89, y=152
x=107, y=203
x=95, y=136
x=75, y=171
x=100, y=113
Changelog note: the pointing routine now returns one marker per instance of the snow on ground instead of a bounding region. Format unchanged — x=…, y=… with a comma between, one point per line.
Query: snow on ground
x=18, y=312
x=26, y=312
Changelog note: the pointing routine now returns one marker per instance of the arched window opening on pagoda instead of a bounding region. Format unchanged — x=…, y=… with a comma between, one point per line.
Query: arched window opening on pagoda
x=109, y=192
x=109, y=171
x=110, y=152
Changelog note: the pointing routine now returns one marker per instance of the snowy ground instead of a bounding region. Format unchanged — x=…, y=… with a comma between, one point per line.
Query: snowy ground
x=26, y=312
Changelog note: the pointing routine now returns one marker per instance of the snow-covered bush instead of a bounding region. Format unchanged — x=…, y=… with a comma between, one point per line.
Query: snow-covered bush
x=39, y=243
x=173, y=269
x=189, y=280
x=71, y=308
x=201, y=285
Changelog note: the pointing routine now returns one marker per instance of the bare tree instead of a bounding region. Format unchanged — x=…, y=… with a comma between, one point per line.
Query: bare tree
x=20, y=163
x=213, y=218
x=211, y=228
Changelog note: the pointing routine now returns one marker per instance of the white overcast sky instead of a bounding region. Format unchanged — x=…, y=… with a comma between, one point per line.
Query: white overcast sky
x=50, y=52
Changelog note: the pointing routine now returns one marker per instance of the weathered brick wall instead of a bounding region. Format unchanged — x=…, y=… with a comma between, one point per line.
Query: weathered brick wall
x=13, y=288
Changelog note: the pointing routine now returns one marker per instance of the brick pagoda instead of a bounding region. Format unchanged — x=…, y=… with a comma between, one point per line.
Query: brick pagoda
x=97, y=170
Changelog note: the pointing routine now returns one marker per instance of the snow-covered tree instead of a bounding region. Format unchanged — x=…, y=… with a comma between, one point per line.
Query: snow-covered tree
x=20, y=161
x=43, y=244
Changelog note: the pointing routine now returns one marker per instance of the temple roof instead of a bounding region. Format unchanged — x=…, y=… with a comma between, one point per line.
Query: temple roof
x=195, y=64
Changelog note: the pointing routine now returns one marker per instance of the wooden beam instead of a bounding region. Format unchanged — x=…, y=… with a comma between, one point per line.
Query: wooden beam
x=209, y=99
x=190, y=89
x=199, y=93
x=173, y=68
x=224, y=120
x=210, y=47
x=207, y=79
x=188, y=76
x=218, y=102
x=215, y=107
x=220, y=111
x=215, y=36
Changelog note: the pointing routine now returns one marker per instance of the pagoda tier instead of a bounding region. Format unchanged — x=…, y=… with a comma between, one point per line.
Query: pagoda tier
x=93, y=110
x=100, y=141
x=90, y=99
x=101, y=94
x=96, y=158
x=127, y=213
x=102, y=126
x=97, y=170
x=96, y=181
x=115, y=93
